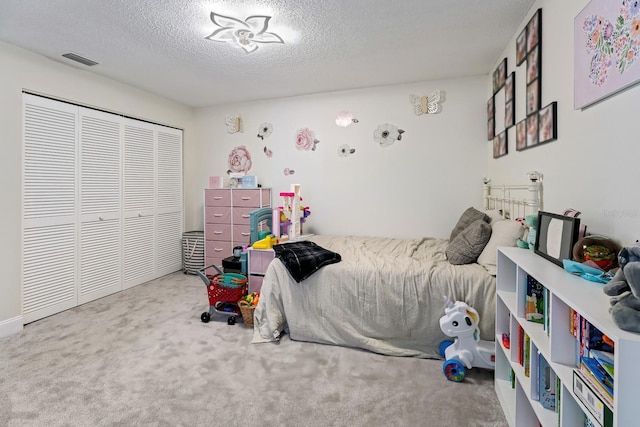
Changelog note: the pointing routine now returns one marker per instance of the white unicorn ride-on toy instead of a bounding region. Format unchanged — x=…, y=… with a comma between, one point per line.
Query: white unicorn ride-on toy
x=460, y=321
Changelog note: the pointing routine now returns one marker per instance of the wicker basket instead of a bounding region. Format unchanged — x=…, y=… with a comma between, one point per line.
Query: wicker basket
x=247, y=312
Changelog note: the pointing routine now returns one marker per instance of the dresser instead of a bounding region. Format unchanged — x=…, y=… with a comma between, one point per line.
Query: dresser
x=226, y=217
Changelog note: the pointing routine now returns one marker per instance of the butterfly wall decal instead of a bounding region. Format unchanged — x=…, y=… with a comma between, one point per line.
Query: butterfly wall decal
x=431, y=104
x=234, y=123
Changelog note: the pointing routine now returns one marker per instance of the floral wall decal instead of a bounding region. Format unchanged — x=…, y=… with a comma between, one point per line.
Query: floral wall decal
x=234, y=123
x=386, y=134
x=345, y=118
x=427, y=104
x=345, y=151
x=288, y=171
x=264, y=130
x=239, y=159
x=244, y=34
x=306, y=140
x=267, y=152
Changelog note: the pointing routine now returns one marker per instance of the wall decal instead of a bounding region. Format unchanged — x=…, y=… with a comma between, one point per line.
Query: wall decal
x=234, y=123
x=386, y=134
x=427, y=104
x=607, y=44
x=268, y=152
x=239, y=159
x=288, y=171
x=345, y=151
x=264, y=130
x=306, y=140
x=345, y=118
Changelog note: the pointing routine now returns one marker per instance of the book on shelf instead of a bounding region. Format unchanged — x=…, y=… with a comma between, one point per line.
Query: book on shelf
x=526, y=355
x=605, y=359
x=547, y=384
x=534, y=304
x=521, y=345
x=599, y=409
x=597, y=373
x=546, y=305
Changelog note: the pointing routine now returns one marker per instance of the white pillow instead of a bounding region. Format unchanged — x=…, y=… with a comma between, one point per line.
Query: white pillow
x=503, y=233
x=494, y=214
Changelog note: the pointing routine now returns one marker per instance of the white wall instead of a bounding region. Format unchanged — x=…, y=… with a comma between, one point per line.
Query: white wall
x=593, y=165
x=24, y=70
x=416, y=187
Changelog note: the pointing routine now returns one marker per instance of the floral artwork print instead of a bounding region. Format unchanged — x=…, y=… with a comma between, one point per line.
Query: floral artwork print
x=386, y=134
x=239, y=159
x=345, y=151
x=306, y=140
x=607, y=47
x=264, y=130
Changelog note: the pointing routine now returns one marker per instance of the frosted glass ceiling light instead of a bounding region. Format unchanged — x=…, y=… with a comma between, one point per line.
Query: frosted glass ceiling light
x=244, y=34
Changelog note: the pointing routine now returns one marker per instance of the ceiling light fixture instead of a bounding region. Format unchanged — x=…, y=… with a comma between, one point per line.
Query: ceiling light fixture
x=244, y=34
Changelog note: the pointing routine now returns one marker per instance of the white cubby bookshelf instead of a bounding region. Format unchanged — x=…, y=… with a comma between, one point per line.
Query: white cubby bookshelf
x=558, y=346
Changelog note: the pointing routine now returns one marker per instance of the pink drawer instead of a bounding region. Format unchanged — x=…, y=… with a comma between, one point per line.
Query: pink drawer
x=241, y=234
x=214, y=197
x=241, y=215
x=259, y=260
x=217, y=232
x=218, y=215
x=247, y=198
x=218, y=249
x=255, y=283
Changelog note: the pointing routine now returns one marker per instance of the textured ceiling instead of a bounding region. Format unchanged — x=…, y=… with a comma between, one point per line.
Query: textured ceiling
x=330, y=45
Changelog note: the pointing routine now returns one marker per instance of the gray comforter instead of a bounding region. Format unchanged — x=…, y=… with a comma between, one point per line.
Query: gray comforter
x=385, y=296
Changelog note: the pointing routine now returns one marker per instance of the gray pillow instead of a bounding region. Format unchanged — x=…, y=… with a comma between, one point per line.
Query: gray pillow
x=468, y=244
x=467, y=217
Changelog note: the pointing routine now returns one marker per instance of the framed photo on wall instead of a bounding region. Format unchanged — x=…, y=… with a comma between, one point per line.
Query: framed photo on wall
x=533, y=65
x=547, y=123
x=534, y=29
x=509, y=101
x=532, y=131
x=521, y=46
x=500, y=76
x=500, y=145
x=521, y=135
x=491, y=122
x=533, y=97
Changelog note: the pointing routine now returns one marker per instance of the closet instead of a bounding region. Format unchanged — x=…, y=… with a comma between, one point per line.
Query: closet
x=102, y=204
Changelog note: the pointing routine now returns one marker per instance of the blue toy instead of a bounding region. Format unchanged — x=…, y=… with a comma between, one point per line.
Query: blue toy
x=467, y=350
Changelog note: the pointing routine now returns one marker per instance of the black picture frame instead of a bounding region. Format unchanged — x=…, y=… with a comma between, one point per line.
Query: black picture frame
x=548, y=123
x=500, y=76
x=509, y=100
x=491, y=122
x=532, y=131
x=521, y=135
x=533, y=97
x=521, y=47
x=555, y=237
x=534, y=30
x=533, y=65
x=500, y=145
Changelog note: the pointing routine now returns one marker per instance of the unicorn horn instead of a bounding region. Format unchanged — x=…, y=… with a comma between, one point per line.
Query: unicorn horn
x=448, y=302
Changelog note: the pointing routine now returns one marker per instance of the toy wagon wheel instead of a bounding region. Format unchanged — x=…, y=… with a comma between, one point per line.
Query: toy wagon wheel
x=453, y=370
x=205, y=317
x=231, y=320
x=443, y=346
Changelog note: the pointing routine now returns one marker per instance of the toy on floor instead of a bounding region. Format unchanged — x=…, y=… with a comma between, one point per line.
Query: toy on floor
x=624, y=290
x=467, y=350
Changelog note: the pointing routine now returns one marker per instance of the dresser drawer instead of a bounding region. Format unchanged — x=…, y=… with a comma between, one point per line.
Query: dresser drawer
x=218, y=215
x=241, y=215
x=217, y=232
x=241, y=235
x=218, y=250
x=248, y=198
x=217, y=197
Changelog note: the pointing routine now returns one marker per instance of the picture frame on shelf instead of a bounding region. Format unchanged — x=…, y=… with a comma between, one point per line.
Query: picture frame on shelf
x=534, y=30
x=521, y=135
x=500, y=146
x=533, y=65
x=491, y=122
x=533, y=97
x=548, y=123
x=532, y=131
x=555, y=236
x=521, y=47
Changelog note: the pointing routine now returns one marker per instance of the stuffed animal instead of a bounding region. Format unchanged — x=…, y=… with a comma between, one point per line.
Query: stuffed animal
x=528, y=240
x=624, y=290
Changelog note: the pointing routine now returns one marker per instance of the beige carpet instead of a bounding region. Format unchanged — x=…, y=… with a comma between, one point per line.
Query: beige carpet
x=142, y=357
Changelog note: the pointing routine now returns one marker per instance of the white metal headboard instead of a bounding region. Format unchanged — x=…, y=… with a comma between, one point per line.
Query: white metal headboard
x=515, y=201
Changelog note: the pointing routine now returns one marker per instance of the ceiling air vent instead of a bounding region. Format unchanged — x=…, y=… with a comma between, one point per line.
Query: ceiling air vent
x=80, y=59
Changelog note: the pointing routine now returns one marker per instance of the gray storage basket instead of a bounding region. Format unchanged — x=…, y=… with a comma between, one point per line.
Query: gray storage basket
x=192, y=251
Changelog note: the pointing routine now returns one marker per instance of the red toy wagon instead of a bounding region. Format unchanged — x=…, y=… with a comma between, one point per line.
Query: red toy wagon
x=224, y=290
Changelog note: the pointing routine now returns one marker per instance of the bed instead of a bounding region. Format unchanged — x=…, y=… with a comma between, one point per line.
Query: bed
x=386, y=295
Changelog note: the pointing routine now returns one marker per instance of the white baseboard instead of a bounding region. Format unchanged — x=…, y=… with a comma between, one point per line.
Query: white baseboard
x=10, y=326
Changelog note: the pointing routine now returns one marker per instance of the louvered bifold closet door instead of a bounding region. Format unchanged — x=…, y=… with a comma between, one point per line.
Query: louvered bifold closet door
x=139, y=203
x=100, y=211
x=49, y=208
x=169, y=201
